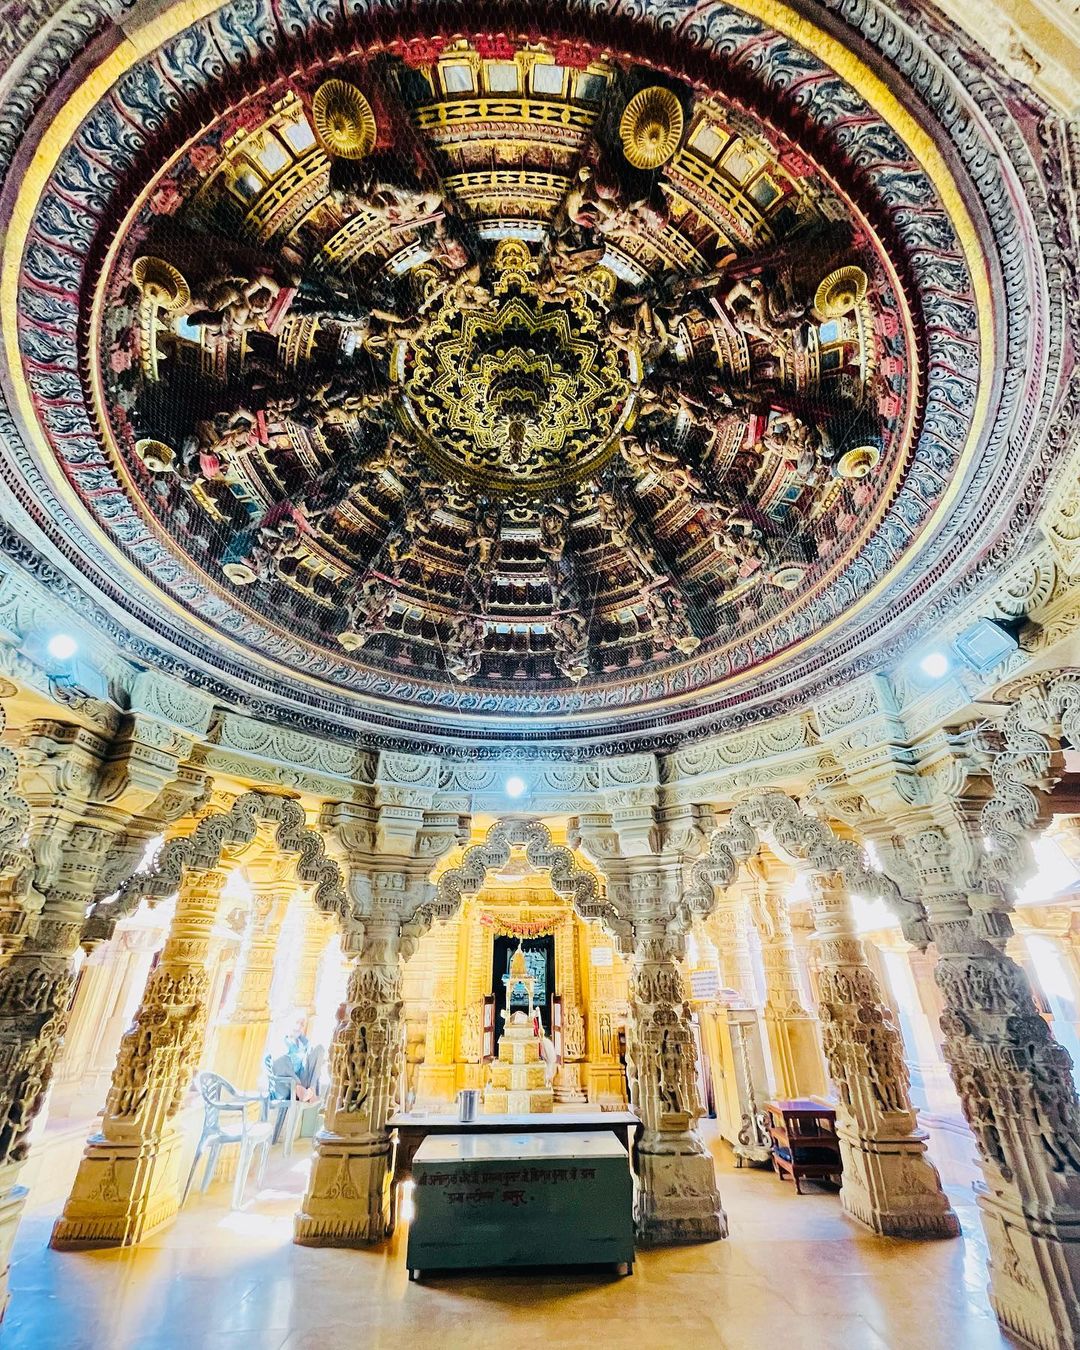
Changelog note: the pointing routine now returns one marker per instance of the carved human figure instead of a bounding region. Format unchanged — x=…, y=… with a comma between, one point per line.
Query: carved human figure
x=672, y=1074
x=369, y=613
x=230, y=305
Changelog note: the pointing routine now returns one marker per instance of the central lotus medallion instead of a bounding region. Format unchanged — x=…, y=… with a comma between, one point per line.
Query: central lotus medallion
x=521, y=389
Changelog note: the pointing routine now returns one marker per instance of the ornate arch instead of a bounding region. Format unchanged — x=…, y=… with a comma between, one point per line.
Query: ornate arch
x=774, y=817
x=569, y=879
x=1022, y=754
x=202, y=849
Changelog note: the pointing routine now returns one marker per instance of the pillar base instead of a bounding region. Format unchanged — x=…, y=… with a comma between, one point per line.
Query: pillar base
x=676, y=1199
x=12, y=1204
x=1034, y=1274
x=894, y=1189
x=348, y=1200
x=122, y=1192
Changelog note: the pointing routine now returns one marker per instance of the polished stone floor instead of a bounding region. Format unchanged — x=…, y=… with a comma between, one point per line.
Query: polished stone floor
x=795, y=1274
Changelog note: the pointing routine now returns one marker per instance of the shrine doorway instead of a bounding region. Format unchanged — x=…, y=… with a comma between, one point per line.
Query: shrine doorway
x=539, y=955
x=455, y=992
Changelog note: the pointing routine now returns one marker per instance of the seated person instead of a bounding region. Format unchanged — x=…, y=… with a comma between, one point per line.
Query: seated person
x=299, y=1066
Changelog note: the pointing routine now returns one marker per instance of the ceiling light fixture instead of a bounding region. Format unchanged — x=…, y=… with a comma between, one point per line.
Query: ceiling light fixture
x=935, y=665
x=62, y=647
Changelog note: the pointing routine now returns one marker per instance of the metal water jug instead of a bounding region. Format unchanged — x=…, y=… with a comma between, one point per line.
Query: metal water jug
x=467, y=1100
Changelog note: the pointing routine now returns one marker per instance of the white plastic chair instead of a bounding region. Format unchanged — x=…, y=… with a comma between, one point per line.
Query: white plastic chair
x=284, y=1094
x=221, y=1099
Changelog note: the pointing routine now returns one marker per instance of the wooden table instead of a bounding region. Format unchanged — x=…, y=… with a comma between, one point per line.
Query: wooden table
x=414, y=1127
x=523, y=1199
x=804, y=1139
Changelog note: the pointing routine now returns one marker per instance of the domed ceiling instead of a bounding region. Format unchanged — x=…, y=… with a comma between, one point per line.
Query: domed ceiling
x=497, y=376
x=502, y=370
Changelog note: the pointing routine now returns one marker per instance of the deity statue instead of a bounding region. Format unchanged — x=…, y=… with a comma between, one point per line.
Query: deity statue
x=368, y=613
x=465, y=646
x=618, y=519
x=518, y=976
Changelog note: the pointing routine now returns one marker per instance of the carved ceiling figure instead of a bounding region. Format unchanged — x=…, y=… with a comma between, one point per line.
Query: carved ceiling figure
x=569, y=631
x=482, y=544
x=670, y=623
x=554, y=519
x=232, y=305
x=405, y=544
x=645, y=455
x=208, y=451
x=620, y=521
x=465, y=646
x=368, y=613
x=796, y=441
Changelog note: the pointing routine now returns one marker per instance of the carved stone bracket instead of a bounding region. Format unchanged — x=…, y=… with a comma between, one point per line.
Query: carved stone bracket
x=776, y=818
x=1025, y=760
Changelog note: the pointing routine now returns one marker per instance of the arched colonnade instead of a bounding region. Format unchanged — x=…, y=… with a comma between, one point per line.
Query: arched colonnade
x=128, y=1181
x=373, y=875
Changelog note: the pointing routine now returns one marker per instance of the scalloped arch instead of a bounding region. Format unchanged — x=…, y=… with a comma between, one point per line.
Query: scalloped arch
x=202, y=849
x=775, y=818
x=569, y=879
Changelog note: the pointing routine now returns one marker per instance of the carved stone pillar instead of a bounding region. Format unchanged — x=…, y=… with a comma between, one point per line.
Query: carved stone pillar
x=128, y=1180
x=64, y=770
x=348, y=1200
x=642, y=852
x=241, y=1039
x=35, y=995
x=437, y=1076
x=793, y=1033
x=86, y=795
x=889, y=1183
x=1016, y=1087
x=568, y=1075
x=318, y=928
x=388, y=848
x=729, y=928
x=99, y=1017
x=677, y=1199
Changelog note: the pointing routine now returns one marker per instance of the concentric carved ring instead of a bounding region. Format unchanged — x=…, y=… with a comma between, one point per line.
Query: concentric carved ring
x=344, y=121
x=651, y=127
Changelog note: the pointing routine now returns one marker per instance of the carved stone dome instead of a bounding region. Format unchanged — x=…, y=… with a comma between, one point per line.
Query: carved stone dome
x=542, y=387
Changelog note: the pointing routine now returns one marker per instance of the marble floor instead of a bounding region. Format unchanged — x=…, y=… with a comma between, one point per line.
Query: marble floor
x=794, y=1274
